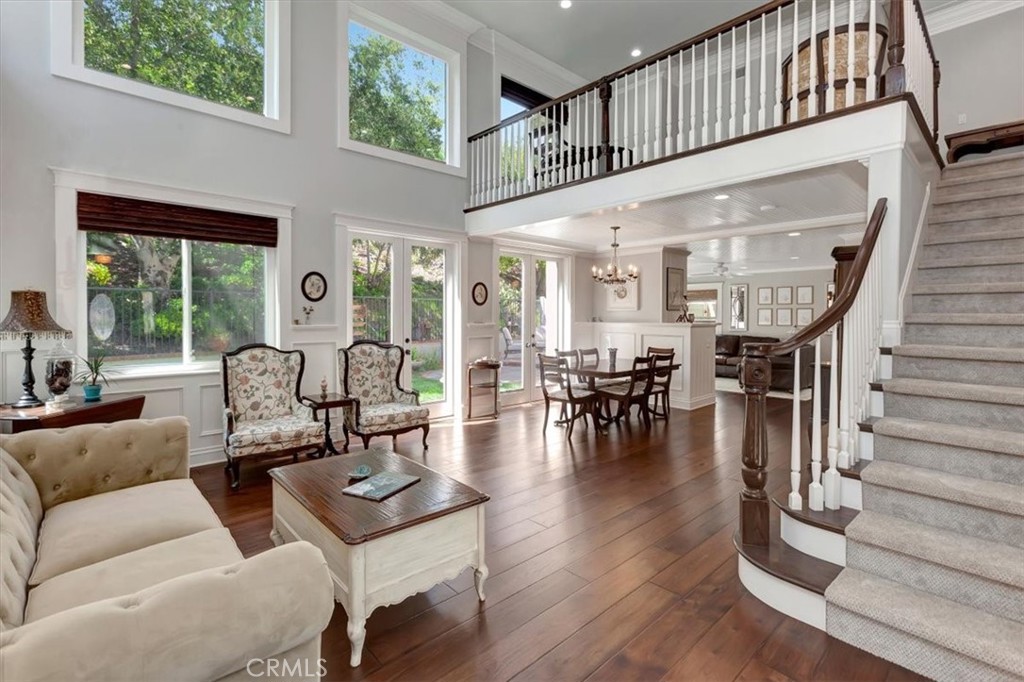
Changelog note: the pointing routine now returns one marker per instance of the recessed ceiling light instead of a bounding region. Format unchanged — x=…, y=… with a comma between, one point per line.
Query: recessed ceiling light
x=721, y=197
x=768, y=207
x=792, y=234
x=794, y=258
x=636, y=52
x=565, y=4
x=743, y=267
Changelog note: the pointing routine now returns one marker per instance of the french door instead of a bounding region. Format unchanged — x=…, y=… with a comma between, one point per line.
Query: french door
x=531, y=321
x=401, y=293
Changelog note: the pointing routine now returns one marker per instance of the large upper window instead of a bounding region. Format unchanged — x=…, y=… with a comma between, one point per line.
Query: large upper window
x=401, y=94
x=217, y=56
x=160, y=300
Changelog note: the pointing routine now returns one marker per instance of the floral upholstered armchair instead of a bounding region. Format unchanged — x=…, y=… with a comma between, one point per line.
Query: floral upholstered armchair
x=370, y=373
x=262, y=412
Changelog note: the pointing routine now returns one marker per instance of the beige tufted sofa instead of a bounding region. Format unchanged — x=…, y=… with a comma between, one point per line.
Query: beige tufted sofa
x=114, y=567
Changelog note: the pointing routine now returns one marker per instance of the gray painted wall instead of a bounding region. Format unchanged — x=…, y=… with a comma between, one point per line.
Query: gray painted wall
x=981, y=73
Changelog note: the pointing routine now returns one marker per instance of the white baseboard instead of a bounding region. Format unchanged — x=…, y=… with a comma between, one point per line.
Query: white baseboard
x=692, y=404
x=865, y=445
x=850, y=493
x=892, y=333
x=817, y=542
x=804, y=605
x=203, y=456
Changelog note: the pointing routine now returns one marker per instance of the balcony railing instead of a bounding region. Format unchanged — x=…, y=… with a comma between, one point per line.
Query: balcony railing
x=758, y=72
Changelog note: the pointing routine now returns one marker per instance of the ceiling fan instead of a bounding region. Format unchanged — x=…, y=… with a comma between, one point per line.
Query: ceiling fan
x=722, y=270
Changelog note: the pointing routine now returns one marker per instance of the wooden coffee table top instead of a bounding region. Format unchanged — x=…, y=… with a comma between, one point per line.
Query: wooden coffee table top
x=317, y=486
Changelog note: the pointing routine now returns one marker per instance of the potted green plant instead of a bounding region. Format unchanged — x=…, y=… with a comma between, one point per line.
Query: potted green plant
x=91, y=375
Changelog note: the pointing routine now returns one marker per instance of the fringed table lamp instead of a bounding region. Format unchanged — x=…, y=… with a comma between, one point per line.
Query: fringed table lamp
x=29, y=317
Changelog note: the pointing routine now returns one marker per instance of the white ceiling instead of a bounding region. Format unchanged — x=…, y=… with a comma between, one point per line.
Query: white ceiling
x=770, y=252
x=594, y=37
x=822, y=197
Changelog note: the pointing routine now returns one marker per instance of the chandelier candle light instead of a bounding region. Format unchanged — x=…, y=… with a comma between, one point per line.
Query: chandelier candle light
x=616, y=276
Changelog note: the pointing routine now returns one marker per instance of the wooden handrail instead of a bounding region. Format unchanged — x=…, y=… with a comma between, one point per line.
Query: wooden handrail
x=755, y=375
x=844, y=299
x=637, y=66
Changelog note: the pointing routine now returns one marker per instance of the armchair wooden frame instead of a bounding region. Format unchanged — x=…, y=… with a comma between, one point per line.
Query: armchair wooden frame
x=233, y=465
x=356, y=407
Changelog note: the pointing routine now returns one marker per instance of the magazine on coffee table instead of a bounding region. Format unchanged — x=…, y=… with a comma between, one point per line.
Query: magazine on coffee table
x=381, y=486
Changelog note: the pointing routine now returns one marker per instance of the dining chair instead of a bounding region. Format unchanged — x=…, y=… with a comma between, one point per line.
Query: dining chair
x=591, y=357
x=637, y=389
x=663, y=359
x=573, y=358
x=557, y=385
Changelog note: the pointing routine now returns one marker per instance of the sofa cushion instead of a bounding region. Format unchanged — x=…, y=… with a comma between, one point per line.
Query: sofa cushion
x=20, y=514
x=89, y=530
x=282, y=433
x=391, y=416
x=727, y=344
x=131, y=572
x=755, y=339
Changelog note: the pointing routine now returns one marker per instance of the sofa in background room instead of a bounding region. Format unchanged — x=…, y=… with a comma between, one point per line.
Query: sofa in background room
x=728, y=350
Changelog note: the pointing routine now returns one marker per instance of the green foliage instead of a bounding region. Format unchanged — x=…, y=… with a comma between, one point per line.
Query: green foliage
x=212, y=49
x=94, y=370
x=393, y=101
x=431, y=390
x=427, y=361
x=98, y=274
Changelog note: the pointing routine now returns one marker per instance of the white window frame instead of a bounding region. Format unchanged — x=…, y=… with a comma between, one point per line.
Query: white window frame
x=453, y=90
x=71, y=254
x=67, y=60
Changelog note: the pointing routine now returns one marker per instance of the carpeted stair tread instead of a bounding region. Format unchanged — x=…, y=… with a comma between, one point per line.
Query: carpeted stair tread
x=972, y=261
x=951, y=390
x=977, y=214
x=958, y=181
x=965, y=630
x=972, y=319
x=960, y=288
x=990, y=440
x=983, y=161
x=994, y=235
x=975, y=492
x=991, y=560
x=983, y=353
x=980, y=193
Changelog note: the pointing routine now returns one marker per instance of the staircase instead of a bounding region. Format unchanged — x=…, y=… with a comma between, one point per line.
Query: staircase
x=934, y=577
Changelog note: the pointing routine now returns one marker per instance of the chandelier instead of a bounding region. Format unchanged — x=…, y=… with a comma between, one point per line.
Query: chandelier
x=615, y=277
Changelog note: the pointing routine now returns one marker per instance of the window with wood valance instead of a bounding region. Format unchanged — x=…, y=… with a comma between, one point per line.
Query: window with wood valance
x=701, y=295
x=123, y=215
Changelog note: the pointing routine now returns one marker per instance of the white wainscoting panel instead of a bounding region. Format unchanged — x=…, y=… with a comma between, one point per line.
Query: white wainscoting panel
x=211, y=410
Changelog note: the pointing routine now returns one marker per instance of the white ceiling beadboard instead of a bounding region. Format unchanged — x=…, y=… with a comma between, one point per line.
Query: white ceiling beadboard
x=821, y=197
x=749, y=255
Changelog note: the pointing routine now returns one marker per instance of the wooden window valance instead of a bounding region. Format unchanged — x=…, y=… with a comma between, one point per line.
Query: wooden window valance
x=702, y=295
x=122, y=215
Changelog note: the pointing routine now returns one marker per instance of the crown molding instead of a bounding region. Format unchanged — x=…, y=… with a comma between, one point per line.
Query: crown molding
x=462, y=24
x=957, y=14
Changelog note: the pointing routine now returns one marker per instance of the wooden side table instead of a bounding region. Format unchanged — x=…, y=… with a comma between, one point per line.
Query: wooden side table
x=76, y=411
x=493, y=385
x=326, y=402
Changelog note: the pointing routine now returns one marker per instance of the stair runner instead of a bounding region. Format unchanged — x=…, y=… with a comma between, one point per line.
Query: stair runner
x=934, y=577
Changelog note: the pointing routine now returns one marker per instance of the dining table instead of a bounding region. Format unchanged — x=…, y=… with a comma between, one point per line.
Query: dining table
x=608, y=369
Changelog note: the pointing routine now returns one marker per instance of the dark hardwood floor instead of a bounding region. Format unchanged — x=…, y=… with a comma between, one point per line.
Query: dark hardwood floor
x=610, y=557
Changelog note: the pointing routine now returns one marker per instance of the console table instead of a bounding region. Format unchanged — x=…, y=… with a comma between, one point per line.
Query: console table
x=76, y=411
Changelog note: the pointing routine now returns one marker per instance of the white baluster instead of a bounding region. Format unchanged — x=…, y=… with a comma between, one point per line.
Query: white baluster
x=583, y=102
x=637, y=155
x=851, y=49
x=577, y=141
x=830, y=91
x=704, y=127
x=762, y=110
x=679, y=113
x=627, y=154
x=528, y=146
x=559, y=157
x=812, y=96
x=815, y=492
x=647, y=113
x=667, y=132
x=794, y=66
x=777, y=118
x=746, y=83
x=732, y=86
x=614, y=127
x=693, y=97
x=872, y=83
x=718, y=93
x=522, y=147
x=831, y=480
x=795, y=500
x=657, y=111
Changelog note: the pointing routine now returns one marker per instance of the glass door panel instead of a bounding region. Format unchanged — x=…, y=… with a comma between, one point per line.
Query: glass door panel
x=546, y=315
x=511, y=323
x=427, y=323
x=373, y=301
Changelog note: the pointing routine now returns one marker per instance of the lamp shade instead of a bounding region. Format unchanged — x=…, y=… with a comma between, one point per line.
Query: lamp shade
x=29, y=315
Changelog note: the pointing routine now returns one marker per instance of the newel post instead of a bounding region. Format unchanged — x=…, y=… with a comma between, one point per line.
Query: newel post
x=605, y=93
x=896, y=75
x=755, y=376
